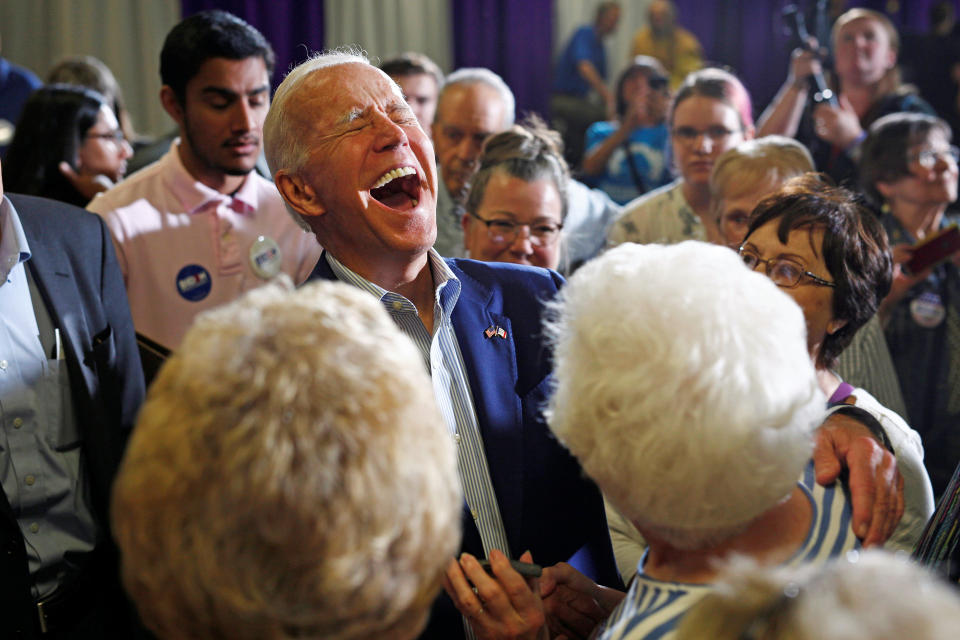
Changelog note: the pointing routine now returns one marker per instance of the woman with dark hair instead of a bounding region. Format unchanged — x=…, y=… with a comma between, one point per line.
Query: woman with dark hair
x=91, y=72
x=68, y=146
x=909, y=169
x=830, y=254
x=626, y=157
x=517, y=199
x=868, y=86
x=710, y=114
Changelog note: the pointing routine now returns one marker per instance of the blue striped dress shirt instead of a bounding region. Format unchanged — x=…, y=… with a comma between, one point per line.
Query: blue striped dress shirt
x=442, y=357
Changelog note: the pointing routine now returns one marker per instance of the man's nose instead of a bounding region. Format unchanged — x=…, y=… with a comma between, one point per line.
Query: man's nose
x=389, y=133
x=244, y=116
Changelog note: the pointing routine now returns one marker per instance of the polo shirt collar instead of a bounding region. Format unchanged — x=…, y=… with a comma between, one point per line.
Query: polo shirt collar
x=195, y=196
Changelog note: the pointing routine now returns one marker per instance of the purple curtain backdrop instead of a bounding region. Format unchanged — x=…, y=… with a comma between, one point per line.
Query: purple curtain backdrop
x=748, y=36
x=293, y=28
x=514, y=38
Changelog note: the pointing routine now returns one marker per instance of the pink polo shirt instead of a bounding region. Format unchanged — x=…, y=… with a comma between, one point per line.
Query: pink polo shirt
x=184, y=248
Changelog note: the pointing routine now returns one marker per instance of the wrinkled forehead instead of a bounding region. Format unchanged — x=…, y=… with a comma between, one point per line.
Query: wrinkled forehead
x=331, y=92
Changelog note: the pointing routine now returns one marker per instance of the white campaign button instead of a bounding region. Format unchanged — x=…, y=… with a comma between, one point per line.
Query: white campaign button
x=265, y=257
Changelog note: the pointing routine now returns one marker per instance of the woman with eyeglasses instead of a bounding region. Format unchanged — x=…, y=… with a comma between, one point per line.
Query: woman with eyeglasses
x=517, y=199
x=710, y=114
x=909, y=169
x=826, y=250
x=68, y=146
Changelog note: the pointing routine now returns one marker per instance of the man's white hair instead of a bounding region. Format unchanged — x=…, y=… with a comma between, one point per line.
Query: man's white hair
x=684, y=387
x=870, y=594
x=290, y=476
x=479, y=75
x=283, y=144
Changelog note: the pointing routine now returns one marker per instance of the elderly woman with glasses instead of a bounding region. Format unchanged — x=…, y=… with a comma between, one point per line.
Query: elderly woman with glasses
x=830, y=254
x=518, y=198
x=909, y=169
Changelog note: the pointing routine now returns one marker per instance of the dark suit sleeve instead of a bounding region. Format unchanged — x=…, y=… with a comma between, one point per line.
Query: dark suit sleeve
x=123, y=375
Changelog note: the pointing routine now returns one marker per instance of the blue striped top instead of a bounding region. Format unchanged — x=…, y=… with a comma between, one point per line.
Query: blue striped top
x=652, y=608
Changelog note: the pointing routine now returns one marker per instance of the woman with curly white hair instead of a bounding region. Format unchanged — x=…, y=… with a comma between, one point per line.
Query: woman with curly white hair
x=289, y=476
x=685, y=391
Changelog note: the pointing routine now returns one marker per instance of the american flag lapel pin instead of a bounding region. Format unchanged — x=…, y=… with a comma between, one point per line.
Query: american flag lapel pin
x=495, y=331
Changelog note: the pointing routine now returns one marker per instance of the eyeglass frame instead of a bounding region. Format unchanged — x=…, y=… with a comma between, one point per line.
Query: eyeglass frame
x=116, y=135
x=535, y=240
x=952, y=151
x=766, y=269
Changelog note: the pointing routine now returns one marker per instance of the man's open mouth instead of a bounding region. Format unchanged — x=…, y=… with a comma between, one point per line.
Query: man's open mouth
x=398, y=188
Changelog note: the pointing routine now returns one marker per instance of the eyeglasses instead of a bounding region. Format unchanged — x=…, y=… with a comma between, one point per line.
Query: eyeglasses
x=504, y=232
x=785, y=272
x=116, y=135
x=689, y=135
x=927, y=158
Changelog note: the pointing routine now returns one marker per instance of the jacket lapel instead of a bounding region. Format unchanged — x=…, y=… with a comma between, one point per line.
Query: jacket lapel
x=491, y=367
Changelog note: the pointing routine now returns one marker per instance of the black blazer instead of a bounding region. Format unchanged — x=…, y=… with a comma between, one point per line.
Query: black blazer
x=76, y=272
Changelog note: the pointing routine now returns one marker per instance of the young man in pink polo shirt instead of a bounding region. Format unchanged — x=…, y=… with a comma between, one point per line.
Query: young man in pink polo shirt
x=199, y=227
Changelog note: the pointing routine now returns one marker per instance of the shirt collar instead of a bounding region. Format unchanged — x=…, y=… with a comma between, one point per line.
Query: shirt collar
x=13, y=241
x=196, y=196
x=445, y=282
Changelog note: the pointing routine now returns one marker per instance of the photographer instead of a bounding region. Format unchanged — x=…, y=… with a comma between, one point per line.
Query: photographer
x=865, y=47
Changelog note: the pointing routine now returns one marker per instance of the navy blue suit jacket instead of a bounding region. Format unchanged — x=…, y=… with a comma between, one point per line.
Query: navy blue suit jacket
x=548, y=506
x=74, y=267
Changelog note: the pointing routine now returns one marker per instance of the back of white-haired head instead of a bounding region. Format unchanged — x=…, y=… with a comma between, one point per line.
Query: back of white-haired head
x=871, y=594
x=479, y=75
x=684, y=387
x=290, y=476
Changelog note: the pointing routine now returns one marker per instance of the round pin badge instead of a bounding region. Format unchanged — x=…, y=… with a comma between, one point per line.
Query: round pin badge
x=193, y=283
x=927, y=310
x=265, y=257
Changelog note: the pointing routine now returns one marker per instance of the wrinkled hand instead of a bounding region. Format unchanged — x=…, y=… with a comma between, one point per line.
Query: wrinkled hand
x=575, y=604
x=876, y=486
x=838, y=125
x=88, y=186
x=504, y=606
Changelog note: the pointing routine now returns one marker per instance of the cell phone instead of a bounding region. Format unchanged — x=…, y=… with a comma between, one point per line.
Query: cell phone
x=934, y=249
x=526, y=569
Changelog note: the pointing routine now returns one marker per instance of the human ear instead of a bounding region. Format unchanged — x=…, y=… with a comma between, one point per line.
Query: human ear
x=835, y=325
x=299, y=194
x=171, y=104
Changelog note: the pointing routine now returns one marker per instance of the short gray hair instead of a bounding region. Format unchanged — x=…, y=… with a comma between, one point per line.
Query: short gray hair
x=290, y=476
x=684, y=387
x=479, y=75
x=283, y=145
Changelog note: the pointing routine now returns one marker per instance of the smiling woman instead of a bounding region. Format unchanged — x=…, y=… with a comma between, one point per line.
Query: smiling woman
x=517, y=199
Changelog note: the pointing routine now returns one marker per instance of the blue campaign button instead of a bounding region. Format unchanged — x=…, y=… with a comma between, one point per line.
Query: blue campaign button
x=193, y=282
